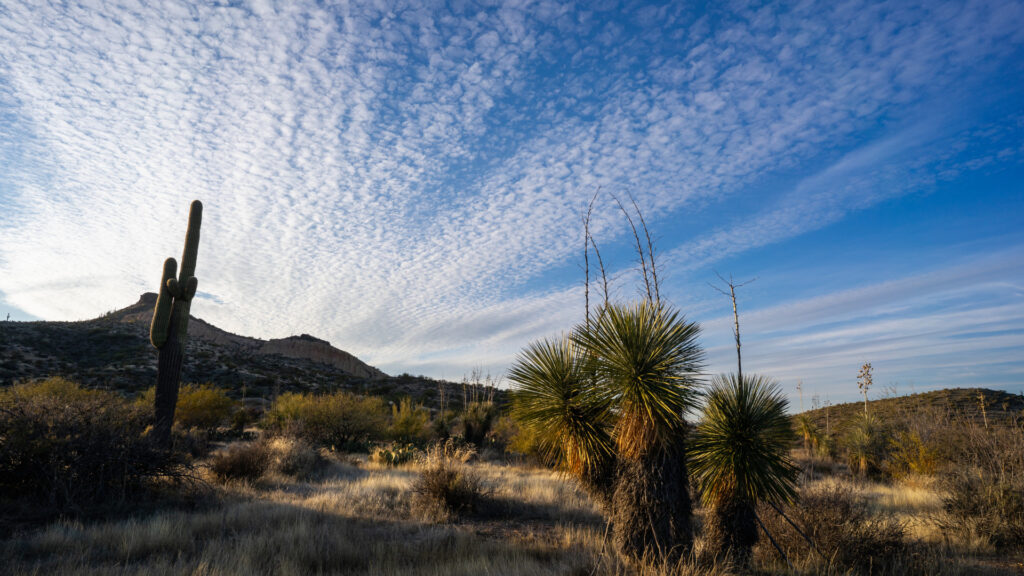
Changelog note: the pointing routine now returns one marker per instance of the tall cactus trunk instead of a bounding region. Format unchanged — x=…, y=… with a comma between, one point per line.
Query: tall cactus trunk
x=172, y=353
x=169, y=328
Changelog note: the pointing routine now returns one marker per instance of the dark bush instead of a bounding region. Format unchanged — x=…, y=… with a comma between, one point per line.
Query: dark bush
x=983, y=505
x=841, y=529
x=66, y=449
x=241, y=461
x=476, y=421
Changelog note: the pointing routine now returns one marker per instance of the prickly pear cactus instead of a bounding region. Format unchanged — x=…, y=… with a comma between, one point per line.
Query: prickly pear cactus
x=169, y=328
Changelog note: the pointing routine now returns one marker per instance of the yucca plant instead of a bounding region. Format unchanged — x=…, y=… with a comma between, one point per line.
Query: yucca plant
x=866, y=441
x=610, y=401
x=646, y=362
x=557, y=401
x=806, y=428
x=739, y=457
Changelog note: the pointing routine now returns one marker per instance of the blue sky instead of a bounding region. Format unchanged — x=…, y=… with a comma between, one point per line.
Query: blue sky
x=406, y=179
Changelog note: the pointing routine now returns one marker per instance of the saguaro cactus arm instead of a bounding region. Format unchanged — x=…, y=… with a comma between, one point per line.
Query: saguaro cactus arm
x=162, y=312
x=188, y=256
x=190, y=288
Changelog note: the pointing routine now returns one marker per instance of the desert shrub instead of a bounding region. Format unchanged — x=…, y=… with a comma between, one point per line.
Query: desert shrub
x=293, y=457
x=339, y=421
x=409, y=422
x=445, y=486
x=841, y=528
x=982, y=505
x=244, y=416
x=476, y=421
x=396, y=454
x=65, y=448
x=241, y=461
x=512, y=438
x=866, y=441
x=910, y=454
x=444, y=422
x=202, y=406
x=199, y=406
x=984, y=483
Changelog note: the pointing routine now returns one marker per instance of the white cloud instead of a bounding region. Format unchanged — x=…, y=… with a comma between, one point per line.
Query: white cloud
x=394, y=177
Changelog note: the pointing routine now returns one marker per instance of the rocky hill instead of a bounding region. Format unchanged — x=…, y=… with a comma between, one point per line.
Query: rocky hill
x=113, y=351
x=982, y=406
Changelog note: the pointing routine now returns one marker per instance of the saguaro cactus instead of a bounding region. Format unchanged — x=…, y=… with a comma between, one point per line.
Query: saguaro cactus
x=170, y=325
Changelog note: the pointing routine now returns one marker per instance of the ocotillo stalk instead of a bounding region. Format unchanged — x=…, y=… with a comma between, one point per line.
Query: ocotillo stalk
x=170, y=326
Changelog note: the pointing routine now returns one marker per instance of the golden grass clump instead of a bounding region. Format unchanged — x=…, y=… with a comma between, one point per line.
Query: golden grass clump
x=446, y=487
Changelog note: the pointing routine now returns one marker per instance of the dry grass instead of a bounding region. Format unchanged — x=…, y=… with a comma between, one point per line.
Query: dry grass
x=360, y=518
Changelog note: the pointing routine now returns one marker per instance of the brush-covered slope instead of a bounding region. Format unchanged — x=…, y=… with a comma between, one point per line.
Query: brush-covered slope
x=1000, y=408
x=113, y=351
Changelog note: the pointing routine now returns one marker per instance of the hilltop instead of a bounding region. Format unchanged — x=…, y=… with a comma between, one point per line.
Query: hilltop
x=113, y=351
x=1001, y=408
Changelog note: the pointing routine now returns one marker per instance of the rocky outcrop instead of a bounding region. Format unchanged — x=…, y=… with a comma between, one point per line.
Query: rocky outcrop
x=310, y=348
x=303, y=347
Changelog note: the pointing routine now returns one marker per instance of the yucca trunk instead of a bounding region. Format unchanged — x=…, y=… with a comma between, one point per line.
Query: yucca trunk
x=652, y=506
x=599, y=483
x=732, y=530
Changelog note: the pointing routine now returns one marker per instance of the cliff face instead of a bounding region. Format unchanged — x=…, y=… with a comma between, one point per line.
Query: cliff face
x=310, y=348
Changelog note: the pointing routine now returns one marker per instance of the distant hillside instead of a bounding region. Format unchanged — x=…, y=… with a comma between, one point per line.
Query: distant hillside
x=113, y=351
x=1001, y=408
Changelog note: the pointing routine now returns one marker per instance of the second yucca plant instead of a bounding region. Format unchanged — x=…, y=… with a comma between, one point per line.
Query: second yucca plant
x=739, y=457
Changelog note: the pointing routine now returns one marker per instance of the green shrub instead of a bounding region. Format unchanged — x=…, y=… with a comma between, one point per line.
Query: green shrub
x=199, y=406
x=476, y=422
x=507, y=434
x=409, y=422
x=909, y=454
x=65, y=448
x=339, y=421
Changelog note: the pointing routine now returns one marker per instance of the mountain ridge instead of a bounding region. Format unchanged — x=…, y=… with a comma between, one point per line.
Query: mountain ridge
x=114, y=351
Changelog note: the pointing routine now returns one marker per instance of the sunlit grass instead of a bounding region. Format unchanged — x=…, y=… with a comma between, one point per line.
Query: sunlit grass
x=360, y=519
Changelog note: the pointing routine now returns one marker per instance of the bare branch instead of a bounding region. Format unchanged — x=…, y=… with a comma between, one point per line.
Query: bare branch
x=604, y=277
x=586, y=258
x=639, y=248
x=735, y=314
x=650, y=249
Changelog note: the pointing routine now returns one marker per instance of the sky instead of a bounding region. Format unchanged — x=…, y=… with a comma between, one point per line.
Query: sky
x=406, y=179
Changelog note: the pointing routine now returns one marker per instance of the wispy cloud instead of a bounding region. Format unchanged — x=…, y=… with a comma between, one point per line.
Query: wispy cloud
x=404, y=178
x=956, y=325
